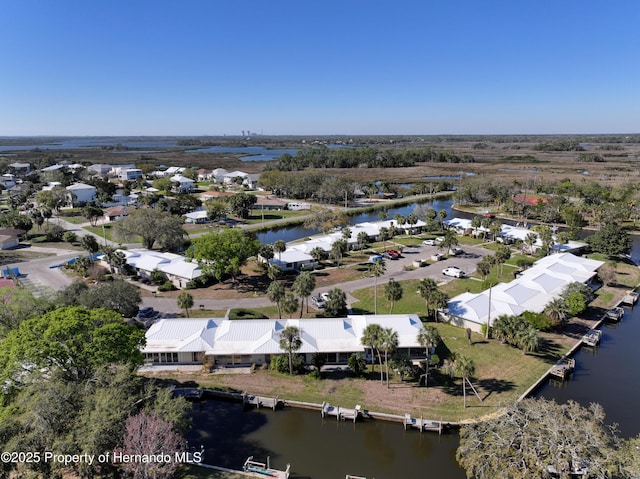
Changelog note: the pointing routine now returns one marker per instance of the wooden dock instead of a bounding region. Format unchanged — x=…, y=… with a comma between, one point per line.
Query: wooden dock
x=592, y=337
x=258, y=401
x=563, y=368
x=349, y=476
x=260, y=469
x=422, y=424
x=614, y=314
x=630, y=298
x=341, y=414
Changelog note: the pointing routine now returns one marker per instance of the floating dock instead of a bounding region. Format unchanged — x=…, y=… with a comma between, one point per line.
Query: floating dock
x=592, y=337
x=258, y=401
x=263, y=469
x=630, y=298
x=422, y=424
x=341, y=414
x=614, y=314
x=563, y=368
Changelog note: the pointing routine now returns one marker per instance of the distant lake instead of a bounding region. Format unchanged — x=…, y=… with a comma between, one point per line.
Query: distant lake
x=83, y=143
x=250, y=153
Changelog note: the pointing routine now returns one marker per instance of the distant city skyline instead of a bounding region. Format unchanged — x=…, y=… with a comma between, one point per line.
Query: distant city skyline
x=198, y=68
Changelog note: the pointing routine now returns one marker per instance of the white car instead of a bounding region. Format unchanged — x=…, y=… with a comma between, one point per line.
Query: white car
x=454, y=272
x=325, y=296
x=429, y=242
x=318, y=302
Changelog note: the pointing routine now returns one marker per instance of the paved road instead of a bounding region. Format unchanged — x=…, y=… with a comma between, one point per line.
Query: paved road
x=394, y=270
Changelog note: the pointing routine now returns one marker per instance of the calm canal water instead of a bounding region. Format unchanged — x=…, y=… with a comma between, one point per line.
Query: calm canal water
x=293, y=233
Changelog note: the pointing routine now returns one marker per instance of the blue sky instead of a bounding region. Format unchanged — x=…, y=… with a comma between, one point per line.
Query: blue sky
x=214, y=67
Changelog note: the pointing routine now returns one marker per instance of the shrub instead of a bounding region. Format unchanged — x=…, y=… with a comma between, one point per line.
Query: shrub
x=243, y=313
x=280, y=363
x=357, y=363
x=538, y=320
x=69, y=237
x=167, y=286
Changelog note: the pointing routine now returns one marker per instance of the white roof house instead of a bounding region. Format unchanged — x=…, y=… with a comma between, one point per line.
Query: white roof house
x=293, y=260
x=532, y=291
x=184, y=184
x=83, y=193
x=254, y=341
x=178, y=270
x=229, y=177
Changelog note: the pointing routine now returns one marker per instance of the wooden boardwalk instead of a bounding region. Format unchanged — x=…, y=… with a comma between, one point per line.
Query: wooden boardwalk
x=263, y=469
x=341, y=414
x=630, y=298
x=422, y=424
x=258, y=401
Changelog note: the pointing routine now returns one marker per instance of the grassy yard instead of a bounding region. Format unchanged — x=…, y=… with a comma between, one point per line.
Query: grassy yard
x=502, y=374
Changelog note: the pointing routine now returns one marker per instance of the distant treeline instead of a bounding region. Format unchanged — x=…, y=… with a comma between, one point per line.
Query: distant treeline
x=323, y=157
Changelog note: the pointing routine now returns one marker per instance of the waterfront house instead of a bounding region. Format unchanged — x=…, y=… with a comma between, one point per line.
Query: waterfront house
x=531, y=291
x=222, y=342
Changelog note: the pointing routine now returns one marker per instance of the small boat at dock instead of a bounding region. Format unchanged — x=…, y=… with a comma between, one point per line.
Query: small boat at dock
x=630, y=298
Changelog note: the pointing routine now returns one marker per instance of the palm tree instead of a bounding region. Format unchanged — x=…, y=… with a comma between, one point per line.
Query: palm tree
x=439, y=300
x=530, y=240
x=388, y=343
x=346, y=234
x=426, y=288
x=318, y=254
x=428, y=338
x=90, y=243
x=476, y=222
x=289, y=303
x=275, y=293
x=185, y=301
x=371, y=338
x=337, y=250
x=303, y=286
x=450, y=240
x=528, y=339
x=377, y=269
x=363, y=239
x=290, y=341
x=495, y=228
x=279, y=247
x=412, y=219
x=393, y=293
x=556, y=311
x=465, y=367
x=442, y=214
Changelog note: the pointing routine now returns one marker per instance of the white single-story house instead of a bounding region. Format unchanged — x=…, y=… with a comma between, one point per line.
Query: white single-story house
x=100, y=169
x=199, y=216
x=292, y=260
x=531, y=291
x=230, y=178
x=176, y=268
x=224, y=342
x=81, y=193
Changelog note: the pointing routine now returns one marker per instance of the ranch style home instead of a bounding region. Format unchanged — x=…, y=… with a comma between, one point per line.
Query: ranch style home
x=531, y=291
x=221, y=342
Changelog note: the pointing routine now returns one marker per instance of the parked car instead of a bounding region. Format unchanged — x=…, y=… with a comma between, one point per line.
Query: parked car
x=429, y=242
x=146, y=312
x=318, y=302
x=325, y=296
x=456, y=251
x=375, y=257
x=439, y=239
x=394, y=254
x=454, y=272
